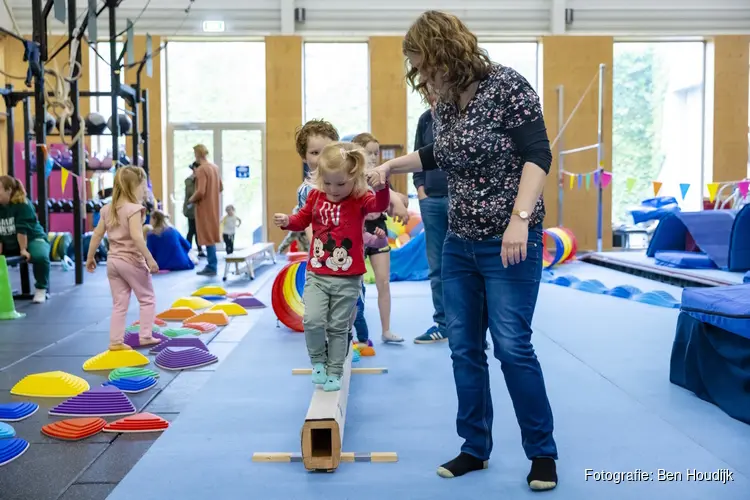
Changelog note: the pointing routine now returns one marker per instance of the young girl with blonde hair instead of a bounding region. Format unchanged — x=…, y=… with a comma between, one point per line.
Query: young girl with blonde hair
x=170, y=249
x=336, y=207
x=129, y=262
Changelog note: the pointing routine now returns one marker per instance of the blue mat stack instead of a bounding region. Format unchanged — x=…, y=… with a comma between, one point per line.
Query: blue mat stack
x=658, y=298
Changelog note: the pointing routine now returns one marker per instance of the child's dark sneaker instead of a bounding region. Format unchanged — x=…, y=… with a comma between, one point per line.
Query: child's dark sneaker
x=461, y=465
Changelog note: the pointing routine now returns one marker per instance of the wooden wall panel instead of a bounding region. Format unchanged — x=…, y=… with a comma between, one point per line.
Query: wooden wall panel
x=388, y=96
x=730, y=97
x=283, y=116
x=573, y=61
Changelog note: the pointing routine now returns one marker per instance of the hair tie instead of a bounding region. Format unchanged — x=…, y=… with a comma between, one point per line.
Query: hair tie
x=343, y=153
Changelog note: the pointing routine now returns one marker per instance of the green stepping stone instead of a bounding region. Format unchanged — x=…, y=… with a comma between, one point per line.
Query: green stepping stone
x=119, y=373
x=180, y=332
x=137, y=329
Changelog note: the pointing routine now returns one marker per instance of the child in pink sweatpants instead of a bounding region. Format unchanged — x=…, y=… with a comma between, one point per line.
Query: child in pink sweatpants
x=129, y=263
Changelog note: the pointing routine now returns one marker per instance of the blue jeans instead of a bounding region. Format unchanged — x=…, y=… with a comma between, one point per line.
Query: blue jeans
x=360, y=324
x=472, y=273
x=212, y=262
x=435, y=219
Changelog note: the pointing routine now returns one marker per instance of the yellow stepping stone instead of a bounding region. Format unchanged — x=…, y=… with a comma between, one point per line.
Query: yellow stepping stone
x=209, y=290
x=194, y=303
x=111, y=360
x=230, y=308
x=55, y=384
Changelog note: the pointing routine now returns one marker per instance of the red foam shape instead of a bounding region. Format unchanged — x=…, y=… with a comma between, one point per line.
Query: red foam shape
x=157, y=322
x=74, y=429
x=202, y=327
x=140, y=422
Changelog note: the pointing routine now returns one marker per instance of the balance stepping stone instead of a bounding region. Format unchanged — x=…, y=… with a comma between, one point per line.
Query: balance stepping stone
x=132, y=372
x=133, y=340
x=132, y=385
x=157, y=322
x=6, y=431
x=137, y=328
x=180, y=332
x=213, y=298
x=141, y=422
x=55, y=384
x=249, y=302
x=184, y=358
x=201, y=327
x=11, y=449
x=104, y=401
x=179, y=342
x=109, y=360
x=15, y=412
x=235, y=295
x=210, y=290
x=74, y=429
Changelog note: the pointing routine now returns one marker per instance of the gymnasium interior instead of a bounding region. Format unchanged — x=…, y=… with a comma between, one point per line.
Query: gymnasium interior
x=642, y=325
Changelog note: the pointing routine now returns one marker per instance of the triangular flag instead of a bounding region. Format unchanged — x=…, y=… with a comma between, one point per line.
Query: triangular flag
x=588, y=181
x=572, y=179
x=606, y=179
x=684, y=189
x=596, y=178
x=657, y=188
x=580, y=180
x=742, y=186
x=64, y=178
x=630, y=183
x=712, y=189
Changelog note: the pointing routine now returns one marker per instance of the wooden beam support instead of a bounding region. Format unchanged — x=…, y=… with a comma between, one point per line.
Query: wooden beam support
x=323, y=430
x=375, y=457
x=355, y=371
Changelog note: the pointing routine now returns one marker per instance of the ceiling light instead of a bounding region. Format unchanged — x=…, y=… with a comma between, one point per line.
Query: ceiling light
x=213, y=26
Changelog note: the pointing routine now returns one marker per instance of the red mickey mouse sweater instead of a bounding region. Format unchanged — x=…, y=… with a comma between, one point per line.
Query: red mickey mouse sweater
x=337, y=248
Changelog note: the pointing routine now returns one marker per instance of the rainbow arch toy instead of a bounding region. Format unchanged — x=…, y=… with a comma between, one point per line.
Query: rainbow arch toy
x=565, y=246
x=286, y=295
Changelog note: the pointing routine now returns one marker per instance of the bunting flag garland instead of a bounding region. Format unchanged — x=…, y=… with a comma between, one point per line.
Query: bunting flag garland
x=684, y=189
x=657, y=188
x=712, y=189
x=743, y=187
x=64, y=172
x=572, y=181
x=630, y=183
x=588, y=181
x=606, y=178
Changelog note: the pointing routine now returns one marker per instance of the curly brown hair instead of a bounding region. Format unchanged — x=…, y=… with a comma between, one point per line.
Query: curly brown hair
x=311, y=129
x=444, y=44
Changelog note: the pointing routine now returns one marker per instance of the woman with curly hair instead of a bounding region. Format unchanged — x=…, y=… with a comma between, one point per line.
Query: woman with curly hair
x=491, y=140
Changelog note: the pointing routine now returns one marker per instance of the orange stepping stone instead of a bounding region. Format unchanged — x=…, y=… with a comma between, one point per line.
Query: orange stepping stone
x=74, y=429
x=218, y=318
x=141, y=422
x=201, y=327
x=157, y=322
x=176, y=314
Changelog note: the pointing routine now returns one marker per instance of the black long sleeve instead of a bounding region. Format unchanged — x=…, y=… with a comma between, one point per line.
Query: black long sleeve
x=532, y=143
x=427, y=157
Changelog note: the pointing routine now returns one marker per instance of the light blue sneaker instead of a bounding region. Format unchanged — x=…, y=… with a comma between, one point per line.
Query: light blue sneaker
x=431, y=336
x=319, y=374
x=332, y=384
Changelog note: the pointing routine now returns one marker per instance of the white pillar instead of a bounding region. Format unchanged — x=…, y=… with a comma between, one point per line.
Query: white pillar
x=287, y=17
x=557, y=14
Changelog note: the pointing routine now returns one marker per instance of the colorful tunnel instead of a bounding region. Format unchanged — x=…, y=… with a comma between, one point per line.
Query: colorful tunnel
x=286, y=295
x=565, y=246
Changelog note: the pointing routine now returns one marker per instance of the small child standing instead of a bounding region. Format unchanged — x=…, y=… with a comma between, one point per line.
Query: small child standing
x=336, y=208
x=230, y=223
x=129, y=263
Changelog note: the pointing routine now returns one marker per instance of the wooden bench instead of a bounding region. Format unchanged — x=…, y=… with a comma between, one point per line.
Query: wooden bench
x=20, y=262
x=245, y=261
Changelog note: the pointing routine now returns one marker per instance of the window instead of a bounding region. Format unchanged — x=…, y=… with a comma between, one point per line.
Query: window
x=219, y=82
x=657, y=124
x=337, y=85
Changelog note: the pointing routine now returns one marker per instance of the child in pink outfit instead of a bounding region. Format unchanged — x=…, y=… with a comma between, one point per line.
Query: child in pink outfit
x=129, y=263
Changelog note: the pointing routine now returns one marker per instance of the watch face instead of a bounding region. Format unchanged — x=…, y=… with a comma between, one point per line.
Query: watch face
x=523, y=214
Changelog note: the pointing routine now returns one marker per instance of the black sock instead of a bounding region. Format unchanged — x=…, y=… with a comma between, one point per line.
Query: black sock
x=543, y=474
x=460, y=465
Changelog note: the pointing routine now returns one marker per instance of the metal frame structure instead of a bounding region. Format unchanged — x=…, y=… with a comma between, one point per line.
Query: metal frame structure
x=599, y=146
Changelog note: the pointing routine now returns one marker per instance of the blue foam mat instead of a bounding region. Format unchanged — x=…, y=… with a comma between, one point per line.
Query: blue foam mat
x=656, y=298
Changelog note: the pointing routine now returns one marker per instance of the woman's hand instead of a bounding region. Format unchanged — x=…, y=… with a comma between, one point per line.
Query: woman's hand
x=515, y=239
x=378, y=176
x=281, y=220
x=26, y=255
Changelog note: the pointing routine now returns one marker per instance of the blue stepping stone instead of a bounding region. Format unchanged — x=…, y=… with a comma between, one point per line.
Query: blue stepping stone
x=6, y=431
x=11, y=449
x=132, y=384
x=14, y=412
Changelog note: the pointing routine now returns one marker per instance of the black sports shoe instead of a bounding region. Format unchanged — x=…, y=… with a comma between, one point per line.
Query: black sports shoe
x=543, y=474
x=460, y=465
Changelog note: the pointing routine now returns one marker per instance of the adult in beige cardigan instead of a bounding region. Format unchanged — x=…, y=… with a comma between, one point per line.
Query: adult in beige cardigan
x=207, y=201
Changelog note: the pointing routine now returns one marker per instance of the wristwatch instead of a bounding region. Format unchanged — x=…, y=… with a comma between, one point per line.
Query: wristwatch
x=523, y=214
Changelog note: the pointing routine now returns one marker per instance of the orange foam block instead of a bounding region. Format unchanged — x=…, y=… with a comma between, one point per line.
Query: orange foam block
x=201, y=327
x=74, y=429
x=157, y=322
x=141, y=422
x=176, y=314
x=218, y=318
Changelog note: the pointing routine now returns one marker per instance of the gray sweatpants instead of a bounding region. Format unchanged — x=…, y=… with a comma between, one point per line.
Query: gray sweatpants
x=329, y=302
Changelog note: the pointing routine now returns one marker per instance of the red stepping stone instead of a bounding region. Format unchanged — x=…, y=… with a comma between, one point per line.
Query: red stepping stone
x=141, y=422
x=74, y=429
x=157, y=322
x=236, y=295
x=201, y=327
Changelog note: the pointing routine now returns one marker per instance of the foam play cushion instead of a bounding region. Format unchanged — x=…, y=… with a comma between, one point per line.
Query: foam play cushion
x=201, y=327
x=105, y=401
x=141, y=422
x=180, y=332
x=194, y=303
x=109, y=360
x=6, y=431
x=176, y=314
x=218, y=318
x=184, y=358
x=74, y=429
x=11, y=449
x=209, y=290
x=230, y=308
x=249, y=302
x=55, y=384
x=132, y=372
x=179, y=342
x=132, y=385
x=17, y=411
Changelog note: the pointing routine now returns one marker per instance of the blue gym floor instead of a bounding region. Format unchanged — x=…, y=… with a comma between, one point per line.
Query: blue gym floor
x=605, y=360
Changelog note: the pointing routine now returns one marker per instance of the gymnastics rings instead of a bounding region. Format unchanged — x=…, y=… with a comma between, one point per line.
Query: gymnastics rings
x=286, y=295
x=565, y=246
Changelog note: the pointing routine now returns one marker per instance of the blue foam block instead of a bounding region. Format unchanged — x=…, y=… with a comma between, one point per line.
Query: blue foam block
x=132, y=384
x=11, y=449
x=13, y=412
x=6, y=431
